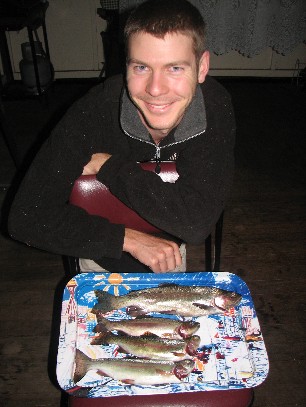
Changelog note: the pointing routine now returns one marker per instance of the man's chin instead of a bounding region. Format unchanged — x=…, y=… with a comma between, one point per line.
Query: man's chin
x=158, y=126
x=159, y=121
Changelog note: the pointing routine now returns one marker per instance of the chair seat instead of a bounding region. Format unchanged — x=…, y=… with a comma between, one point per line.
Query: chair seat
x=222, y=398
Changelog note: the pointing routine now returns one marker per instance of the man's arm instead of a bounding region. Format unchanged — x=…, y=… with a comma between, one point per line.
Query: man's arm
x=158, y=254
x=41, y=217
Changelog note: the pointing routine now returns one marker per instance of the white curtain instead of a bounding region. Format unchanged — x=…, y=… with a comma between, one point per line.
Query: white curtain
x=249, y=26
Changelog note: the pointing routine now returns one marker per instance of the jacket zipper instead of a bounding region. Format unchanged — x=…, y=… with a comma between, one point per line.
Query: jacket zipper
x=157, y=160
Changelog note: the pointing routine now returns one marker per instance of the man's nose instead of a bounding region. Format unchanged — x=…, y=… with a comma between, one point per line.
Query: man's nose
x=157, y=84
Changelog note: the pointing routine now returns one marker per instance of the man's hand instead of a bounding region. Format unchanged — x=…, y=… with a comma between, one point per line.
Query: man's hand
x=96, y=162
x=159, y=254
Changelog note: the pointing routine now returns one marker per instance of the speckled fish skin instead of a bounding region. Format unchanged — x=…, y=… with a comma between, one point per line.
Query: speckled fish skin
x=151, y=347
x=162, y=327
x=133, y=371
x=186, y=301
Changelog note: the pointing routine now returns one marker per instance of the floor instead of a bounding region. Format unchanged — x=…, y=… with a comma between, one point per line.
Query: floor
x=263, y=243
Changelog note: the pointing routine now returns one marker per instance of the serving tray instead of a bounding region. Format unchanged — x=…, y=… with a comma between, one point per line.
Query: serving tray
x=232, y=350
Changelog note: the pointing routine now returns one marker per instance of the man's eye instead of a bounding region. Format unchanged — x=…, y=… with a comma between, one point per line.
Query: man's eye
x=140, y=68
x=176, y=69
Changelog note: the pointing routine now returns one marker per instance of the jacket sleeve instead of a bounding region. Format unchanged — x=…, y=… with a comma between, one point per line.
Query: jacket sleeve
x=189, y=208
x=40, y=215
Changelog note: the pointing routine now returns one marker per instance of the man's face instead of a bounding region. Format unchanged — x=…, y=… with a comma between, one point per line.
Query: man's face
x=162, y=75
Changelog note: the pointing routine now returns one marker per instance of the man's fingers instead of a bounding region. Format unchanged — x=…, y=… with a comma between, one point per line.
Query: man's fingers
x=173, y=256
x=159, y=254
x=167, y=259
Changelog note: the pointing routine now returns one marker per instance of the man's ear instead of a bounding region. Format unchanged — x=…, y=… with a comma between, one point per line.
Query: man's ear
x=203, y=67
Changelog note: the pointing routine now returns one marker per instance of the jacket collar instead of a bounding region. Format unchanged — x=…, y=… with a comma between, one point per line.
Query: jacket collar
x=193, y=123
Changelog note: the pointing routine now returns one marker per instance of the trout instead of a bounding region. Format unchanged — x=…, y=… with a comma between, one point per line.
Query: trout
x=151, y=347
x=133, y=371
x=185, y=301
x=162, y=327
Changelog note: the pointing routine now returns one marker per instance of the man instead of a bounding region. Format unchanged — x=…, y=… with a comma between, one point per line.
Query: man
x=168, y=109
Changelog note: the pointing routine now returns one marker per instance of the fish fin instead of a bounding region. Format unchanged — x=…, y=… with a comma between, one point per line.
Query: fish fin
x=101, y=373
x=203, y=306
x=179, y=354
x=148, y=335
x=120, y=349
x=128, y=381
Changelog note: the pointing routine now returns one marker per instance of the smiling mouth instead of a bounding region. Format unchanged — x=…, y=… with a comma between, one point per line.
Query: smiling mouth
x=157, y=108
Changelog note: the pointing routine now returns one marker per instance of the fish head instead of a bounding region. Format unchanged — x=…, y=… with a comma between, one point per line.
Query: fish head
x=227, y=300
x=183, y=368
x=192, y=345
x=188, y=328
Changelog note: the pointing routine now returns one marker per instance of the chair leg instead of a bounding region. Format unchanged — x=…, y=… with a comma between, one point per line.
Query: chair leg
x=44, y=28
x=32, y=44
x=5, y=58
x=71, y=266
x=8, y=136
x=218, y=243
x=208, y=261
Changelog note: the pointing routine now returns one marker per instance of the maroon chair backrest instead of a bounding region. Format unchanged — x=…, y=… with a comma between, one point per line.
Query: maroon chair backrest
x=94, y=197
x=218, y=398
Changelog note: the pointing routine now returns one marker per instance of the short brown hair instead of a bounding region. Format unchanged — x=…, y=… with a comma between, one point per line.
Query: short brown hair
x=161, y=17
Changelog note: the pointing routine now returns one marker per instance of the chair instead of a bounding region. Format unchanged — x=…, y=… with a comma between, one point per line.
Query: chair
x=88, y=193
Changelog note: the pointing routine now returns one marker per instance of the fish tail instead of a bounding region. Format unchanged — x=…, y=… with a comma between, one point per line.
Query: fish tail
x=81, y=365
x=105, y=302
x=102, y=339
x=103, y=324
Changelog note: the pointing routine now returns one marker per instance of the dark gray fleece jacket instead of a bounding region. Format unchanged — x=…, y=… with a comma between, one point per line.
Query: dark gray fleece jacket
x=105, y=120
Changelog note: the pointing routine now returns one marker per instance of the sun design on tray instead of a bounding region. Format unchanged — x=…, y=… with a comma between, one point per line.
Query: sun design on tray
x=114, y=284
